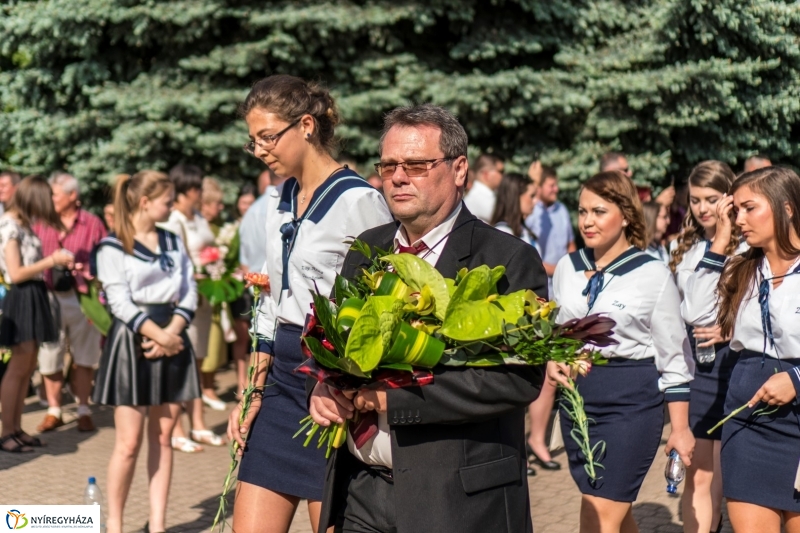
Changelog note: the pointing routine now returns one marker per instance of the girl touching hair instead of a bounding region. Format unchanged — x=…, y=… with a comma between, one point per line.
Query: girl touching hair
x=27, y=320
x=148, y=366
x=650, y=364
x=758, y=309
x=708, y=182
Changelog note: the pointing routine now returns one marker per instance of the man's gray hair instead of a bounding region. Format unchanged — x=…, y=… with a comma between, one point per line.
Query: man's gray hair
x=453, y=140
x=67, y=182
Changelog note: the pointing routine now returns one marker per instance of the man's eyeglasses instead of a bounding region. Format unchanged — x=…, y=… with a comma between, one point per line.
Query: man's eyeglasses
x=412, y=169
x=268, y=142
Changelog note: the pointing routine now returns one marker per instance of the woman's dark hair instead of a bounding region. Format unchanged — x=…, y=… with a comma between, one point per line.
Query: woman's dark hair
x=506, y=209
x=185, y=178
x=290, y=98
x=247, y=188
x=617, y=188
x=781, y=188
x=715, y=175
x=33, y=202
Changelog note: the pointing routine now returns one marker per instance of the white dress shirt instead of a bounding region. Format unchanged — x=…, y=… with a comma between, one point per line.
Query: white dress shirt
x=377, y=451
x=642, y=298
x=252, y=252
x=480, y=201
x=196, y=234
x=321, y=242
x=145, y=277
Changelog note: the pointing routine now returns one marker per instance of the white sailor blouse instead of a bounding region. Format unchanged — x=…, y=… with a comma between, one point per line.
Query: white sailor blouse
x=768, y=319
x=694, y=309
x=146, y=278
x=305, y=253
x=638, y=292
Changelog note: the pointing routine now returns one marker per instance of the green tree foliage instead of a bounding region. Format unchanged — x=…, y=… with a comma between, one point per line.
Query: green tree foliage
x=100, y=87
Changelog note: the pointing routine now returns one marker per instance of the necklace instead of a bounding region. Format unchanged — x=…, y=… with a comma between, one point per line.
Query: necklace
x=303, y=198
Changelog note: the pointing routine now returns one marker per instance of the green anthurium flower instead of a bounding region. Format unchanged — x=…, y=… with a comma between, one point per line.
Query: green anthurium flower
x=421, y=303
x=373, y=280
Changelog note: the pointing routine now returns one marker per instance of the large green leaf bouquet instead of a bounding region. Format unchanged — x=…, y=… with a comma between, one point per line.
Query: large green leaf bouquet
x=400, y=317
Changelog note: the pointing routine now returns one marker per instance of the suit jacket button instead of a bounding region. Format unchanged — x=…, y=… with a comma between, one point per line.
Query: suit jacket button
x=417, y=419
x=394, y=421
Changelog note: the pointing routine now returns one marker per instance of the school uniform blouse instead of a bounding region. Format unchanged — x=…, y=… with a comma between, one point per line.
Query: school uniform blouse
x=146, y=278
x=696, y=308
x=638, y=292
x=658, y=252
x=305, y=254
x=751, y=329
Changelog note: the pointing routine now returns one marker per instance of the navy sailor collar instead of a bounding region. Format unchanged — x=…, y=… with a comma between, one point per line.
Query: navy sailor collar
x=167, y=242
x=325, y=195
x=627, y=261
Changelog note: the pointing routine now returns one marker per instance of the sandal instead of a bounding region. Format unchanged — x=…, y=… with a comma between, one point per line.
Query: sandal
x=206, y=436
x=28, y=440
x=182, y=444
x=19, y=448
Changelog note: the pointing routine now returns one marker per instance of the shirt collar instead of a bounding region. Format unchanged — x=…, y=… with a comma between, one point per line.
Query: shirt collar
x=629, y=260
x=433, y=237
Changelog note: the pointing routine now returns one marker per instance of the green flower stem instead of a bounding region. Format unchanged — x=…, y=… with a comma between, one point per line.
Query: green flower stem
x=573, y=405
x=733, y=413
x=247, y=398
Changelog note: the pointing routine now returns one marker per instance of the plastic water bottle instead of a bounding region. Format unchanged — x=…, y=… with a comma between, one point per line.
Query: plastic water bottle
x=93, y=496
x=675, y=472
x=705, y=354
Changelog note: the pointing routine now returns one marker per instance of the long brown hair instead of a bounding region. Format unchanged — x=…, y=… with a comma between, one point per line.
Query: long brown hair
x=715, y=175
x=780, y=186
x=290, y=98
x=33, y=202
x=507, y=209
x=617, y=188
x=651, y=211
x=128, y=192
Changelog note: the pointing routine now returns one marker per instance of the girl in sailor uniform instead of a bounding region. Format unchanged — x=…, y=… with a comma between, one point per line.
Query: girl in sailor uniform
x=310, y=219
x=652, y=362
x=147, y=366
x=709, y=182
x=759, y=305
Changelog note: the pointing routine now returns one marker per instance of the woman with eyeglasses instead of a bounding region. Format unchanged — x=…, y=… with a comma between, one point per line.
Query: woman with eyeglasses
x=310, y=218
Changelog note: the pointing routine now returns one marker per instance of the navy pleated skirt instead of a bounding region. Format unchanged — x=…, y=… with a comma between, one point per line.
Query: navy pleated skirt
x=126, y=377
x=709, y=389
x=760, y=454
x=623, y=399
x=273, y=459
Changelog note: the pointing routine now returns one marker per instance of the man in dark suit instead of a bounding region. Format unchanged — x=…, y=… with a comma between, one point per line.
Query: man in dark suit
x=449, y=456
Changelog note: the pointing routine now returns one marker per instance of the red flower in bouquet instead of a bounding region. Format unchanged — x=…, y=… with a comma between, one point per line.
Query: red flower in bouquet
x=209, y=254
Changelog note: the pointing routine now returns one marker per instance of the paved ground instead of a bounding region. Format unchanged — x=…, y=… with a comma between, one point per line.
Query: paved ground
x=58, y=475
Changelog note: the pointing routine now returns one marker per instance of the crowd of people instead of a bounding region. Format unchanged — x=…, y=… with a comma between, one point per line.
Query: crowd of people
x=704, y=306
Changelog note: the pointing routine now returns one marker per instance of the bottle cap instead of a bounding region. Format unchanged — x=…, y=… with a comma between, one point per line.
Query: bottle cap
x=672, y=489
x=92, y=481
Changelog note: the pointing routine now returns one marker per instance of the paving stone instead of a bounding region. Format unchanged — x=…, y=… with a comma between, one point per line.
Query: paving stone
x=58, y=475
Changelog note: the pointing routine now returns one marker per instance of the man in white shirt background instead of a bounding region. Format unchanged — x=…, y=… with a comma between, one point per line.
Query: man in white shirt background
x=482, y=195
x=252, y=248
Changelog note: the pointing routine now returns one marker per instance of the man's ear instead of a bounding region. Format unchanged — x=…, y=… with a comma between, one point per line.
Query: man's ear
x=460, y=168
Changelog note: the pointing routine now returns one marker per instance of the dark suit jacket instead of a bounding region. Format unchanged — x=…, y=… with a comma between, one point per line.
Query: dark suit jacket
x=458, y=444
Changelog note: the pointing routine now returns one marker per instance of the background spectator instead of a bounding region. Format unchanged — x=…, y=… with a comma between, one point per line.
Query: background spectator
x=755, y=162
x=8, y=184
x=481, y=198
x=77, y=335
x=656, y=219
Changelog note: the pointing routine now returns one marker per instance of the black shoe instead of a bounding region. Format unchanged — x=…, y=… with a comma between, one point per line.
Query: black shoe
x=531, y=471
x=533, y=458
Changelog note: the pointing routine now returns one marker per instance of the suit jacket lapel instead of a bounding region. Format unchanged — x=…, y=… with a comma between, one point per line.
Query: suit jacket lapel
x=458, y=246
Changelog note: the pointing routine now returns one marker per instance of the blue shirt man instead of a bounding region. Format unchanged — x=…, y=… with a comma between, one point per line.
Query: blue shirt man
x=551, y=223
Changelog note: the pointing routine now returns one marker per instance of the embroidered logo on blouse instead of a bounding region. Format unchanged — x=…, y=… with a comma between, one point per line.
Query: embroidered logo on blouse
x=310, y=272
x=618, y=304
